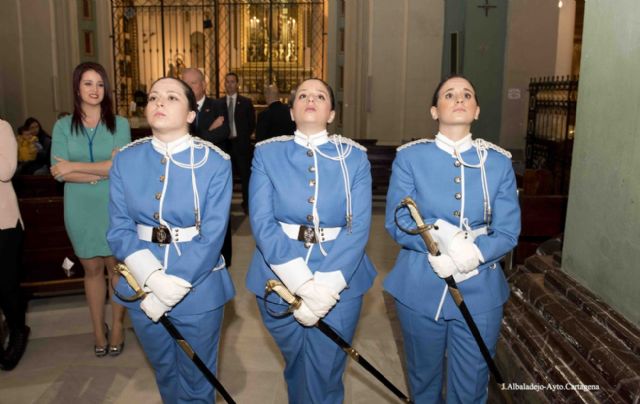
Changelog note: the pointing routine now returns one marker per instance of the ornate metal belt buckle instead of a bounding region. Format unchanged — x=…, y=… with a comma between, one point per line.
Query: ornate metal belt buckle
x=307, y=234
x=161, y=235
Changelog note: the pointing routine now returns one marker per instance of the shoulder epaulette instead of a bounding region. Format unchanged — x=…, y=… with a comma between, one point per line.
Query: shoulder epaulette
x=136, y=142
x=212, y=147
x=282, y=138
x=415, y=142
x=339, y=138
x=483, y=144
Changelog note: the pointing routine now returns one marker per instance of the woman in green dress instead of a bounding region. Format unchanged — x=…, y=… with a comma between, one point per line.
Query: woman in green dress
x=83, y=145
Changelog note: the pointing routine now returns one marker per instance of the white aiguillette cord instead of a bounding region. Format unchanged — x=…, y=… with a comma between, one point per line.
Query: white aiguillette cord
x=168, y=154
x=341, y=157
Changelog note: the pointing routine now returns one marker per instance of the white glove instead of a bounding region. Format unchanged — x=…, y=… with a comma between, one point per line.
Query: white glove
x=168, y=289
x=443, y=234
x=442, y=265
x=153, y=308
x=305, y=316
x=465, y=253
x=318, y=297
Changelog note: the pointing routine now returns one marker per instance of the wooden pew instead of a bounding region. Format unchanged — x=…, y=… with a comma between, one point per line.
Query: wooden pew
x=45, y=247
x=543, y=213
x=27, y=186
x=381, y=159
x=543, y=217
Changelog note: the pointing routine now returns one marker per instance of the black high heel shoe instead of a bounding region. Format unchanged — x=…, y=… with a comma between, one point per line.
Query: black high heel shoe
x=101, y=351
x=115, y=350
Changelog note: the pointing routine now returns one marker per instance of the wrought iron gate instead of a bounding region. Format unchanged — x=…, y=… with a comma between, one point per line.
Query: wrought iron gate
x=263, y=41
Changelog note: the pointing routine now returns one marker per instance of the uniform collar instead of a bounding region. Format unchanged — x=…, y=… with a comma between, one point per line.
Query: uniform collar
x=450, y=146
x=316, y=139
x=173, y=147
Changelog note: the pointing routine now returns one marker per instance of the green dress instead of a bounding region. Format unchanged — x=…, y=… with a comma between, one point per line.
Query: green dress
x=86, y=205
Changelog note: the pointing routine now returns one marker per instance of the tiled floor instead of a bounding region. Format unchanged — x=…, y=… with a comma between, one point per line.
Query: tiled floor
x=59, y=365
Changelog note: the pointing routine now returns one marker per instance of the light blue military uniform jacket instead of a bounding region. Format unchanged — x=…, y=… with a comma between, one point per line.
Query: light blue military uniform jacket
x=444, y=188
x=144, y=192
x=284, y=188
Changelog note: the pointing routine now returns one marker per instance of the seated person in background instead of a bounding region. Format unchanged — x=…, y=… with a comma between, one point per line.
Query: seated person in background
x=44, y=138
x=276, y=119
x=28, y=145
x=28, y=148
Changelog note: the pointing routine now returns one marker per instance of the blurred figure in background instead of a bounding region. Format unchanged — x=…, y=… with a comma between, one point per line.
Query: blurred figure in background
x=44, y=138
x=242, y=122
x=11, y=227
x=276, y=119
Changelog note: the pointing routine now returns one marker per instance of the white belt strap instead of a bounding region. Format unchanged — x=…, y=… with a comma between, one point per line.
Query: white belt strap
x=326, y=233
x=480, y=231
x=179, y=235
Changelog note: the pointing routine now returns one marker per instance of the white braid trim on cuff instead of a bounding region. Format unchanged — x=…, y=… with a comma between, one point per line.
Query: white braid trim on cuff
x=142, y=264
x=293, y=273
x=334, y=280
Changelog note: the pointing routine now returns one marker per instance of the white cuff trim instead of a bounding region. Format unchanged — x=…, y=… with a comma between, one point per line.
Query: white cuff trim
x=334, y=280
x=460, y=277
x=480, y=256
x=142, y=264
x=293, y=273
x=444, y=234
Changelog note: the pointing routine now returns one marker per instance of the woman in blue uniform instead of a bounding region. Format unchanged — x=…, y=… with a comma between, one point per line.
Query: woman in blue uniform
x=310, y=211
x=466, y=188
x=169, y=208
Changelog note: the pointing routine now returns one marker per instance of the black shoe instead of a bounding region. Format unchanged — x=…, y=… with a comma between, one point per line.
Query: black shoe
x=17, y=344
x=101, y=351
x=115, y=350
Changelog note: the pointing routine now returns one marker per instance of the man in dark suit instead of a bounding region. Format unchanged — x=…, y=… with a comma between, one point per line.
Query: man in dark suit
x=242, y=121
x=211, y=125
x=276, y=119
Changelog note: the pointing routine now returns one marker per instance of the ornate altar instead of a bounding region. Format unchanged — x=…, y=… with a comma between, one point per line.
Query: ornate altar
x=263, y=41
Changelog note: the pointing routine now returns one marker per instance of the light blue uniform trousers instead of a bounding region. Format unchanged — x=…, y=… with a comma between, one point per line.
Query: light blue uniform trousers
x=425, y=343
x=178, y=378
x=314, y=363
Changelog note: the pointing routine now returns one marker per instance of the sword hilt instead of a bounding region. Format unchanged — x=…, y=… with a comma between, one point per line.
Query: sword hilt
x=122, y=269
x=422, y=229
x=282, y=291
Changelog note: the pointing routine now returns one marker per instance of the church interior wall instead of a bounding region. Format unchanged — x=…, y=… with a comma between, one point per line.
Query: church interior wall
x=532, y=32
x=484, y=45
x=602, y=247
x=403, y=67
x=566, y=28
x=13, y=108
x=40, y=41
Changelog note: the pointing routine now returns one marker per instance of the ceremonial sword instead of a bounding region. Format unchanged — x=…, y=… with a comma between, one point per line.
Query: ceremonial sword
x=432, y=246
x=294, y=303
x=173, y=331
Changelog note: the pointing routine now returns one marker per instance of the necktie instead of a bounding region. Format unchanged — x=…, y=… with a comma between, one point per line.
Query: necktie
x=232, y=124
